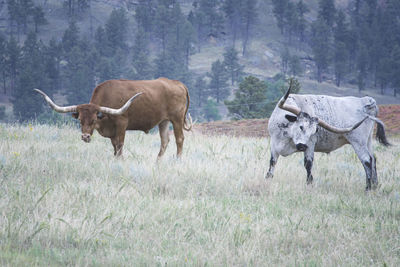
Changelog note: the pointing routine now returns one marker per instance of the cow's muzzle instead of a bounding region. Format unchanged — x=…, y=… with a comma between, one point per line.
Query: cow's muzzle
x=85, y=137
x=301, y=147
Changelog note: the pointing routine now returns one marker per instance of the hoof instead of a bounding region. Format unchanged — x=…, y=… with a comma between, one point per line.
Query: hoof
x=269, y=175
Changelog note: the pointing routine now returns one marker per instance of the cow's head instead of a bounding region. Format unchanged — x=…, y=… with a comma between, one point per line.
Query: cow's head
x=88, y=114
x=302, y=126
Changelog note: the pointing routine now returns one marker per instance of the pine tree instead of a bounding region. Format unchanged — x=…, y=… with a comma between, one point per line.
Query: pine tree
x=208, y=18
x=327, y=12
x=52, y=55
x=341, y=40
x=25, y=101
x=249, y=18
x=321, y=46
x=70, y=37
x=362, y=64
x=116, y=28
x=232, y=10
x=38, y=17
x=145, y=15
x=250, y=99
x=219, y=81
x=210, y=111
x=142, y=69
x=231, y=63
x=302, y=9
x=198, y=94
x=295, y=68
x=13, y=52
x=3, y=62
x=395, y=71
x=279, y=8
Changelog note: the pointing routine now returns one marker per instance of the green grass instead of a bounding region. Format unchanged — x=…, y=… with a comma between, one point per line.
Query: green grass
x=64, y=202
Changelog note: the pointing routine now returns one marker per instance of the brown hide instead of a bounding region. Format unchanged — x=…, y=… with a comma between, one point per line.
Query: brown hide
x=162, y=99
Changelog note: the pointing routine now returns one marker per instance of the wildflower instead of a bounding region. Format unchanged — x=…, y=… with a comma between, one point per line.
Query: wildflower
x=245, y=217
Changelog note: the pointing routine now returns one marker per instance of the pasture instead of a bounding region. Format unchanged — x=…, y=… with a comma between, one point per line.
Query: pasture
x=65, y=202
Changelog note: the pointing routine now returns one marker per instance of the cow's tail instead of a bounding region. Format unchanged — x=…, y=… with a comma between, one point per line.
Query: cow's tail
x=380, y=131
x=187, y=125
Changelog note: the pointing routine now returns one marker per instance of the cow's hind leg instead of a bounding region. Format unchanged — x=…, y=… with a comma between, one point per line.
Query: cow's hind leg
x=308, y=163
x=163, y=130
x=369, y=163
x=179, y=137
x=272, y=163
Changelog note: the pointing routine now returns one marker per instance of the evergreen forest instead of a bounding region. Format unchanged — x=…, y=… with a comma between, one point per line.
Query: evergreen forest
x=67, y=47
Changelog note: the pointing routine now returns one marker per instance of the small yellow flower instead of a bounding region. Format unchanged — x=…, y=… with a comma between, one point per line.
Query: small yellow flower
x=30, y=127
x=16, y=154
x=244, y=217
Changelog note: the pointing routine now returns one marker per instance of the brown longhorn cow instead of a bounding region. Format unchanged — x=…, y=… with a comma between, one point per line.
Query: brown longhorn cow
x=156, y=102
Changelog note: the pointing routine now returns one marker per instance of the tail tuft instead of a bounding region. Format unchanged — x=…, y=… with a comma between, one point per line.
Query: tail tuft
x=381, y=135
x=188, y=126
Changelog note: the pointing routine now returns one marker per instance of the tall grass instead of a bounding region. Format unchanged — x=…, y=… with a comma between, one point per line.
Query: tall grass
x=64, y=202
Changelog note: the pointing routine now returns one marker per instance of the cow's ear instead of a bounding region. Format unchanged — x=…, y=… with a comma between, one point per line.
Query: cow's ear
x=291, y=118
x=100, y=115
x=75, y=114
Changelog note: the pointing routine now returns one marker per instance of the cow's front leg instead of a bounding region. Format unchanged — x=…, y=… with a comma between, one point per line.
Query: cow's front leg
x=118, y=139
x=272, y=163
x=308, y=162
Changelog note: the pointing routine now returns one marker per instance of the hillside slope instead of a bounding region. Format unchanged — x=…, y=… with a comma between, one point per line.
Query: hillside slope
x=389, y=114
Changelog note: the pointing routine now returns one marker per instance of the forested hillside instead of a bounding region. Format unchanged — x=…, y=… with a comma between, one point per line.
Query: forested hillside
x=234, y=55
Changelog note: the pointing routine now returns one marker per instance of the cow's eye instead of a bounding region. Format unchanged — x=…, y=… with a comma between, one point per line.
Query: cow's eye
x=316, y=130
x=302, y=128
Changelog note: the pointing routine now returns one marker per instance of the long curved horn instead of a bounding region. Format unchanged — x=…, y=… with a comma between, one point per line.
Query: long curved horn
x=120, y=111
x=339, y=130
x=54, y=106
x=291, y=109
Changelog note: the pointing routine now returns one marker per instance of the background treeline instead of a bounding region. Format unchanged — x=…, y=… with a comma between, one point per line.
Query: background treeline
x=359, y=43
x=152, y=38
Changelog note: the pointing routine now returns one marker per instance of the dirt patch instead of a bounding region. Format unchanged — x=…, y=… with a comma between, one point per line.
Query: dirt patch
x=389, y=114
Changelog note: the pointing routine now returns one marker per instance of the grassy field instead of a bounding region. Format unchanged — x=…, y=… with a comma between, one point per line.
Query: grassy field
x=64, y=202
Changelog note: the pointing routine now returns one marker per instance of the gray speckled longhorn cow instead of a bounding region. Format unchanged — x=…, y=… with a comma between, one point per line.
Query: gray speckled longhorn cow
x=303, y=123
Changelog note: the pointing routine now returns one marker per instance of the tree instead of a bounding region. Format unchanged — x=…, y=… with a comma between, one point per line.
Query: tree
x=232, y=10
x=145, y=15
x=115, y=29
x=249, y=17
x=250, y=99
x=75, y=7
x=302, y=9
x=210, y=111
x=231, y=63
x=327, y=12
x=38, y=17
x=321, y=46
x=208, y=19
x=70, y=37
x=279, y=8
x=362, y=62
x=295, y=67
x=25, y=101
x=3, y=62
x=52, y=56
x=341, y=40
x=218, y=84
x=198, y=94
x=142, y=68
x=13, y=52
